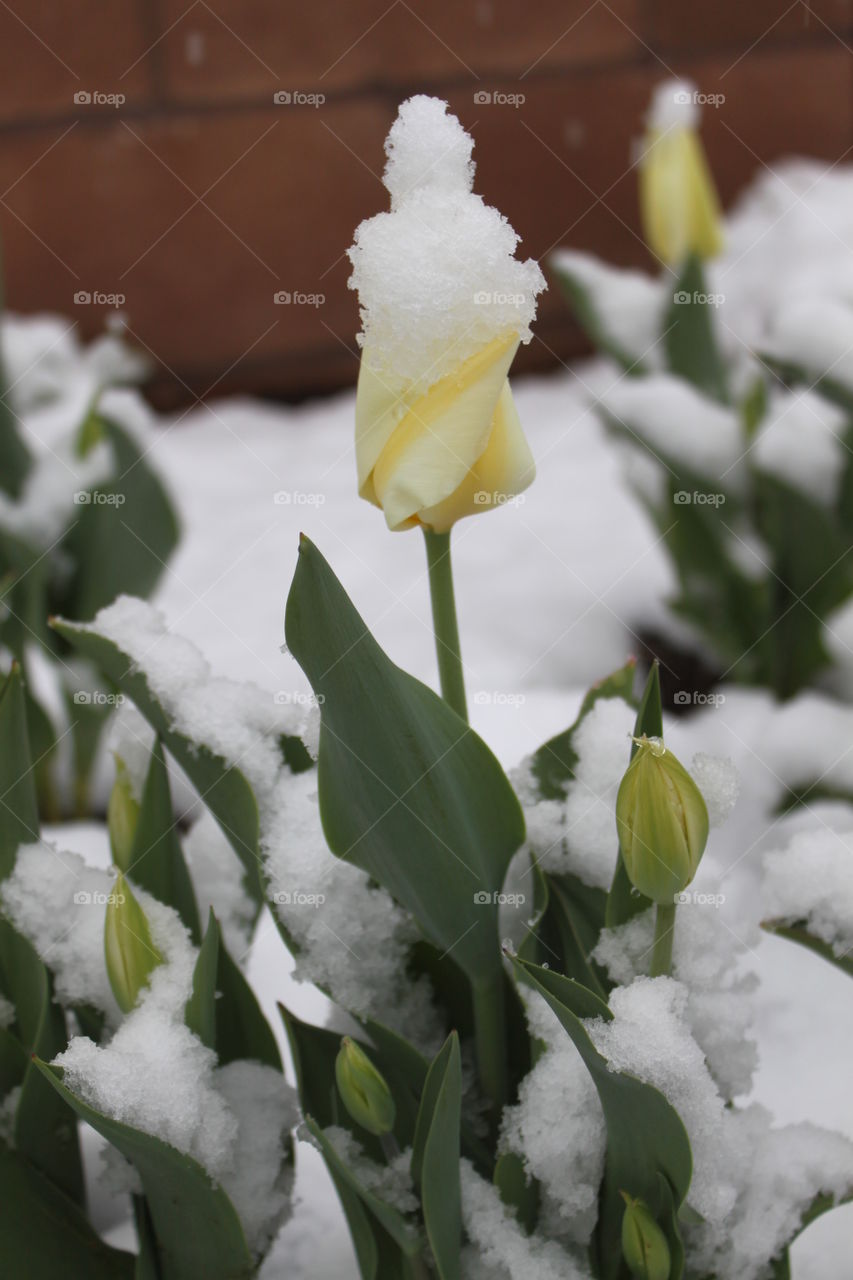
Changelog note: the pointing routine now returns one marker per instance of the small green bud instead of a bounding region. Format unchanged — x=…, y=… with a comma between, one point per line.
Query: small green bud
x=662, y=821
x=644, y=1245
x=130, y=954
x=122, y=816
x=364, y=1091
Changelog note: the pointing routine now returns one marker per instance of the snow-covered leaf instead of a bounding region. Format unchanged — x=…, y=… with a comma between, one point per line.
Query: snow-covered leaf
x=179, y=1193
x=223, y=1010
x=646, y=1139
x=400, y=771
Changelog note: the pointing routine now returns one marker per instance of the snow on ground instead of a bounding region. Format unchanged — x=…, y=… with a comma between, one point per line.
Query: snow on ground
x=552, y=590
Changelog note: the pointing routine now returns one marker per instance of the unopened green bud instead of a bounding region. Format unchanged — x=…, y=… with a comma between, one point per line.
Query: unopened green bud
x=130, y=953
x=364, y=1091
x=644, y=1245
x=122, y=817
x=662, y=821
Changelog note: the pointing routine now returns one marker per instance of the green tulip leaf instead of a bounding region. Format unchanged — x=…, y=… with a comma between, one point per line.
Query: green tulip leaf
x=44, y=1234
x=690, y=339
x=646, y=1139
x=518, y=1191
x=407, y=791
x=223, y=1010
x=797, y=931
x=179, y=1193
x=156, y=858
x=19, y=819
x=435, y=1158
x=122, y=542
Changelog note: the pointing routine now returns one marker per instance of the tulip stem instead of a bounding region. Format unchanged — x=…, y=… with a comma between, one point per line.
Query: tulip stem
x=445, y=626
x=490, y=1038
x=664, y=934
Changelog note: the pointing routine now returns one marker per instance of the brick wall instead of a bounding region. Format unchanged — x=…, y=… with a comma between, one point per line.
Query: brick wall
x=199, y=197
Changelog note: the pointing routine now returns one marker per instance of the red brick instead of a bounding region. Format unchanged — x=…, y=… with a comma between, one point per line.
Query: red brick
x=251, y=47
x=50, y=51
x=742, y=27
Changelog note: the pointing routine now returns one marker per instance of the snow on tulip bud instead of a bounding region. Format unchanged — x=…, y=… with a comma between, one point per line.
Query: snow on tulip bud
x=662, y=821
x=444, y=305
x=363, y=1090
x=122, y=816
x=644, y=1245
x=678, y=202
x=130, y=953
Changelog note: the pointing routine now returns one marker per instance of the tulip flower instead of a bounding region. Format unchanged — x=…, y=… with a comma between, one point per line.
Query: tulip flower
x=444, y=306
x=131, y=956
x=363, y=1089
x=678, y=203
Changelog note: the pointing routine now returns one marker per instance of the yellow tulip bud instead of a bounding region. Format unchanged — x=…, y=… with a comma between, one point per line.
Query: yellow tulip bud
x=457, y=450
x=122, y=816
x=130, y=953
x=662, y=821
x=644, y=1245
x=363, y=1090
x=678, y=202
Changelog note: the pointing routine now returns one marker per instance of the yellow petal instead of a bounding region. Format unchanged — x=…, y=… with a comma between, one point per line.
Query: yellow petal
x=429, y=452
x=504, y=470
